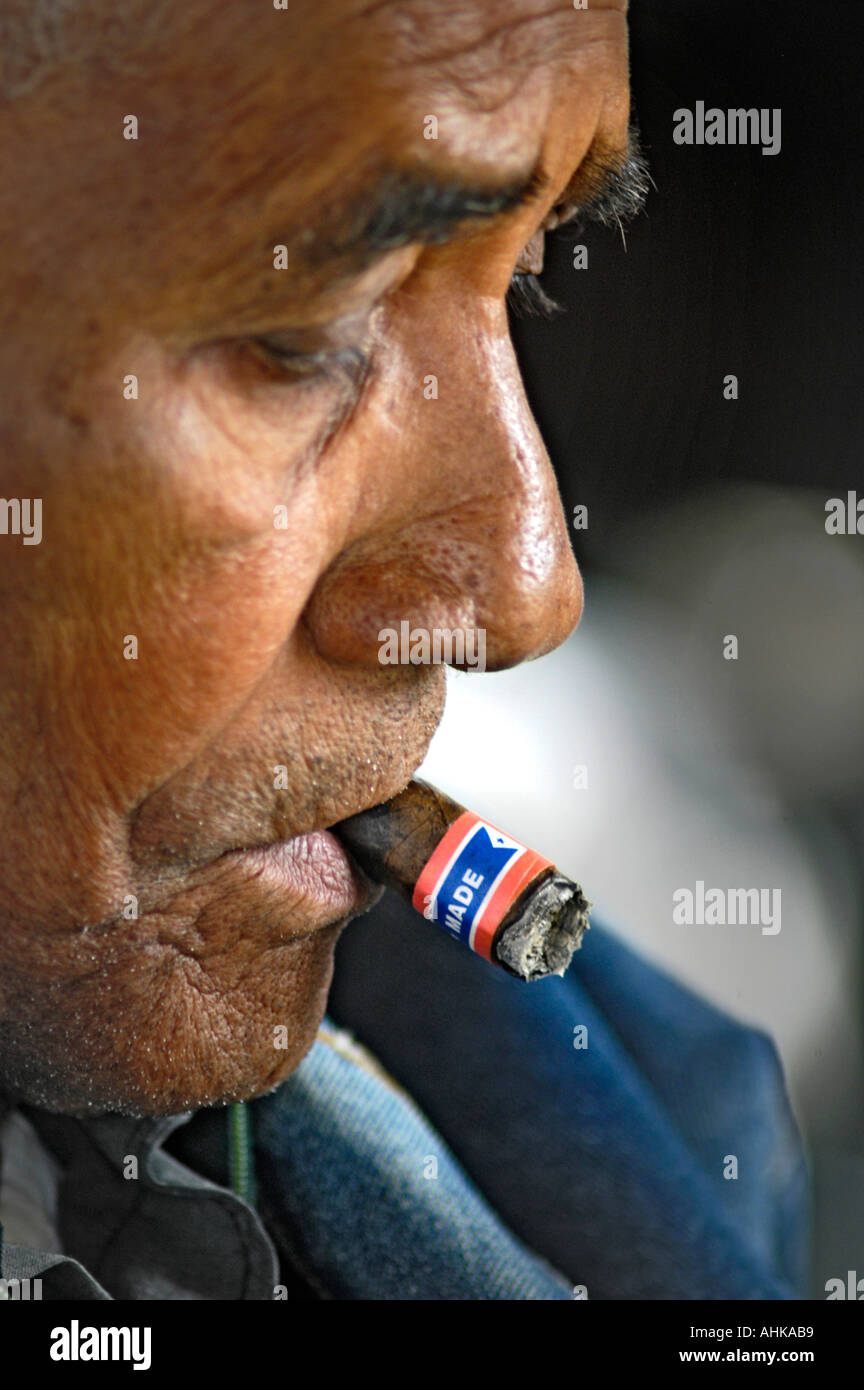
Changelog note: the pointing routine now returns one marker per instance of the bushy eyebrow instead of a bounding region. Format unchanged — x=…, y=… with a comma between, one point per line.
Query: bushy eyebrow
x=407, y=206
x=403, y=206
x=400, y=206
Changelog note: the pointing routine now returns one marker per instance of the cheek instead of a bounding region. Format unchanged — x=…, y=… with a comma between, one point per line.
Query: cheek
x=181, y=541
x=176, y=557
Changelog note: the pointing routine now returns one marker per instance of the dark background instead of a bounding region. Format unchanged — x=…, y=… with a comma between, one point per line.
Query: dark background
x=741, y=263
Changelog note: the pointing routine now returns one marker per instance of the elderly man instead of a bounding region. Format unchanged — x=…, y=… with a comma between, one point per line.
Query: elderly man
x=259, y=391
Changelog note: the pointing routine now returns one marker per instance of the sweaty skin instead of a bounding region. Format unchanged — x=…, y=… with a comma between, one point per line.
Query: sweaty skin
x=256, y=643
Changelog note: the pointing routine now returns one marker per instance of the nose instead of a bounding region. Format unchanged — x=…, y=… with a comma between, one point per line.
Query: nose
x=462, y=523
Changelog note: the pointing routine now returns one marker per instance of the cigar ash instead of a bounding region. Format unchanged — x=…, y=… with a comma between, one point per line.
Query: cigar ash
x=541, y=938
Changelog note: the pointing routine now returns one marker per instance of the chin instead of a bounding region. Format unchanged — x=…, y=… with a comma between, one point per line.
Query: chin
x=182, y=1052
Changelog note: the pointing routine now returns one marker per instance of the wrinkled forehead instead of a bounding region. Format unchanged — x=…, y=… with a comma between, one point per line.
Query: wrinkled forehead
x=330, y=69
x=323, y=70
x=476, y=67
x=252, y=117
x=474, y=46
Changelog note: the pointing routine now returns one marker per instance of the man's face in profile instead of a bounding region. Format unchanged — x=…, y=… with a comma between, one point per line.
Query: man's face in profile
x=191, y=669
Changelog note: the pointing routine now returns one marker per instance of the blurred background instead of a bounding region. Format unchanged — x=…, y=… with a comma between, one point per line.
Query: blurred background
x=706, y=518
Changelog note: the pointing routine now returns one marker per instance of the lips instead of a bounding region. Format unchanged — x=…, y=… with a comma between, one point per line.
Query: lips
x=312, y=873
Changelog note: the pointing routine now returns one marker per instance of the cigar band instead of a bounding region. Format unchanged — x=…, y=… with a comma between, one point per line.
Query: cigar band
x=472, y=878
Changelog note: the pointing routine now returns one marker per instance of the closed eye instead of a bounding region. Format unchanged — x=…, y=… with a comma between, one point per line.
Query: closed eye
x=347, y=365
x=526, y=298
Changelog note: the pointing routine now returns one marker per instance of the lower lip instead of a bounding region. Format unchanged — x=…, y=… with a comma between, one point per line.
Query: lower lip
x=315, y=870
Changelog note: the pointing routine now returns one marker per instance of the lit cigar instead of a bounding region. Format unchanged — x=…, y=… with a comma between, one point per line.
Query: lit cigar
x=500, y=898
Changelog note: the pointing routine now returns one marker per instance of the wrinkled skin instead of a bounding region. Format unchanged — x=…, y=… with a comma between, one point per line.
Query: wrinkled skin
x=256, y=643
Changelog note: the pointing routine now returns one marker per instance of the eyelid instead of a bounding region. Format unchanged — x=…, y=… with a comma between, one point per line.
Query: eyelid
x=339, y=352
x=526, y=298
x=530, y=260
x=562, y=215
x=348, y=364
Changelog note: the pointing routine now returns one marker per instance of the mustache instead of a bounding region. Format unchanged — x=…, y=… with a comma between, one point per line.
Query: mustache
x=264, y=786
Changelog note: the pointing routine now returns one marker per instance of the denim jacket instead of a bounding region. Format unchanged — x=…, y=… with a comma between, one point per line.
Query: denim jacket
x=457, y=1134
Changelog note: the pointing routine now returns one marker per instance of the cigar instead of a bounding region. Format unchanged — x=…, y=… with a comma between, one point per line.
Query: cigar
x=487, y=889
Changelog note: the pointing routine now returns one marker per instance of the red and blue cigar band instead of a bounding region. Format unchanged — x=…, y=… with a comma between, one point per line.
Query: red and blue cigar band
x=472, y=879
